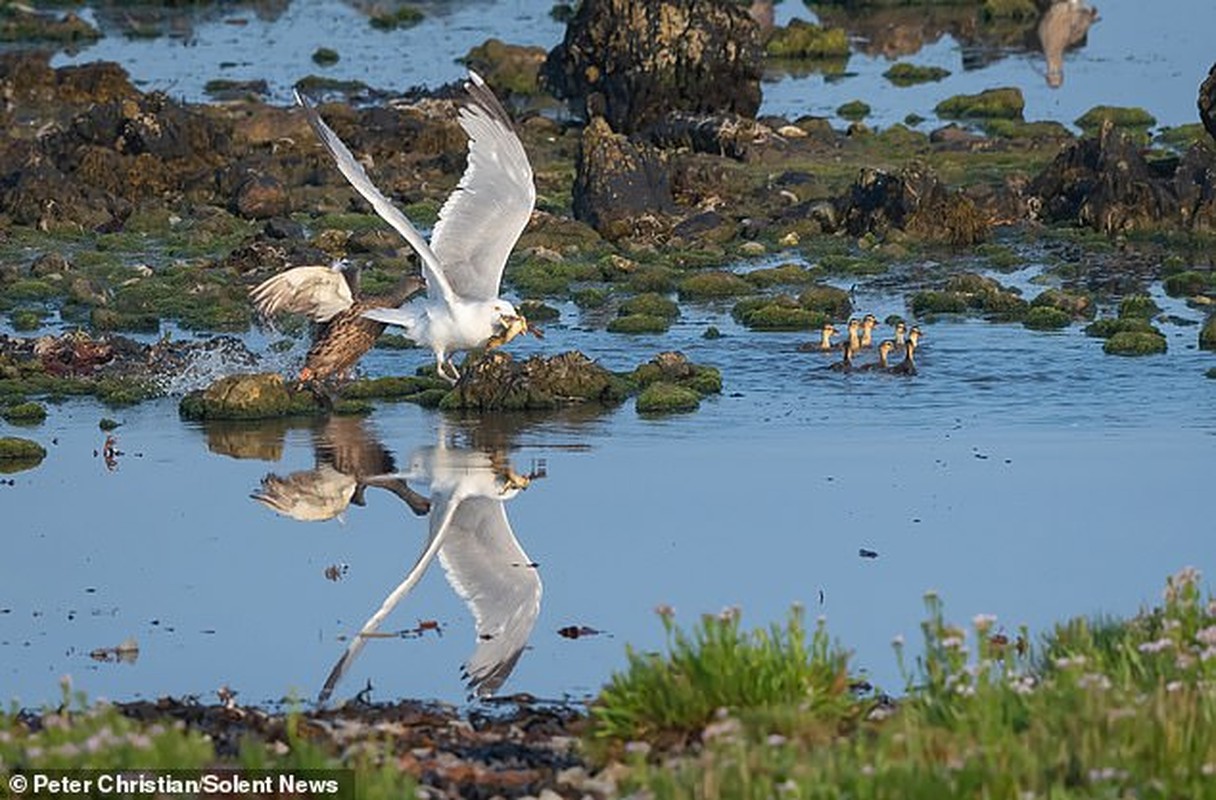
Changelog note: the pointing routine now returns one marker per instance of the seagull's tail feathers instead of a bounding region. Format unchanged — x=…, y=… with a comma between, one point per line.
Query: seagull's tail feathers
x=401, y=317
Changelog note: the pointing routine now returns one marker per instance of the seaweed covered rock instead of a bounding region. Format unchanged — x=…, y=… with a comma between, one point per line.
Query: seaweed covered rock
x=633, y=61
x=1074, y=304
x=1207, y=334
x=18, y=454
x=914, y=201
x=667, y=398
x=968, y=292
x=1207, y=102
x=508, y=68
x=621, y=187
x=673, y=367
x=1104, y=183
x=499, y=382
x=1134, y=343
x=1003, y=103
x=261, y=395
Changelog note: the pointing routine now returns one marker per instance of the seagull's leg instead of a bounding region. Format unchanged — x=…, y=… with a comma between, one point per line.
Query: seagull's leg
x=446, y=369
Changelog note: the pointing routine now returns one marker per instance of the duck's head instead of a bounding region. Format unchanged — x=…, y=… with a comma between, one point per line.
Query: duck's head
x=914, y=336
x=854, y=324
x=509, y=323
x=886, y=347
x=869, y=321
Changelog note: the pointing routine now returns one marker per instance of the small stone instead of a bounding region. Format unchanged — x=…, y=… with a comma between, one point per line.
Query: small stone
x=262, y=197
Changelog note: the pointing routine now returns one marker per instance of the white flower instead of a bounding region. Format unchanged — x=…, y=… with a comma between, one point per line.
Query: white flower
x=898, y=641
x=1207, y=636
x=1093, y=680
x=1155, y=646
x=983, y=622
x=953, y=643
x=639, y=748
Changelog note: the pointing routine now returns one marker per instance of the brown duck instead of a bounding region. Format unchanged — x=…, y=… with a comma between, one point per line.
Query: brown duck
x=327, y=296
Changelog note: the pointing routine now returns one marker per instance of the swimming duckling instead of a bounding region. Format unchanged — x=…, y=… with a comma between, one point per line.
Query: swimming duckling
x=884, y=350
x=868, y=323
x=854, y=338
x=914, y=336
x=845, y=364
x=908, y=365
x=901, y=331
x=824, y=344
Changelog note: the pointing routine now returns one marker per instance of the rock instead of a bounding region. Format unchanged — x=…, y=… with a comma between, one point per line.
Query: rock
x=1189, y=283
x=499, y=382
x=673, y=367
x=50, y=264
x=728, y=135
x=1207, y=334
x=18, y=454
x=24, y=414
x=507, y=68
x=1130, y=119
x=651, y=303
x=906, y=74
x=261, y=197
x=634, y=61
x=830, y=300
x=1107, y=327
x=781, y=313
x=914, y=201
x=639, y=323
x=1072, y=303
x=667, y=398
x=806, y=40
x=246, y=396
x=715, y=284
x=1134, y=343
x=1046, y=318
x=1104, y=183
x=621, y=187
x=854, y=110
x=1207, y=102
x=1003, y=103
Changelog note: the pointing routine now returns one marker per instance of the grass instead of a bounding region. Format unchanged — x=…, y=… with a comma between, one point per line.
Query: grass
x=1096, y=709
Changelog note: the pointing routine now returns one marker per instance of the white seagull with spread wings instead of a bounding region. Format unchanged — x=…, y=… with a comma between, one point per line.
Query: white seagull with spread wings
x=478, y=227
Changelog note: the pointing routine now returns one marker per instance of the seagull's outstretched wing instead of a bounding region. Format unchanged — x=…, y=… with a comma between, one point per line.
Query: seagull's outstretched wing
x=436, y=284
x=442, y=510
x=319, y=292
x=482, y=219
x=490, y=571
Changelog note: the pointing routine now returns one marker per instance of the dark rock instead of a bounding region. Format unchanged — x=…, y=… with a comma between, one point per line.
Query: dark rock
x=621, y=187
x=262, y=197
x=1207, y=334
x=1207, y=102
x=914, y=201
x=727, y=135
x=1104, y=183
x=283, y=228
x=634, y=61
x=499, y=382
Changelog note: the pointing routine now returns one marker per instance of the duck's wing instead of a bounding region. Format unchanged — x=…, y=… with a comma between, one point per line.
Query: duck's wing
x=318, y=292
x=436, y=284
x=500, y=585
x=482, y=219
x=442, y=509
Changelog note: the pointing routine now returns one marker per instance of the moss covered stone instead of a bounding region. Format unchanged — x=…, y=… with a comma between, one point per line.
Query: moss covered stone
x=639, y=323
x=652, y=303
x=674, y=367
x=1003, y=103
x=667, y=398
x=1074, y=304
x=251, y=396
x=1046, y=318
x=402, y=17
x=905, y=74
x=806, y=40
x=784, y=275
x=325, y=56
x=496, y=382
x=590, y=297
x=1138, y=306
x=18, y=454
x=25, y=414
x=710, y=285
x=1207, y=334
x=1134, y=343
x=536, y=311
x=1189, y=283
x=1017, y=10
x=854, y=109
x=1136, y=119
x=391, y=388
x=829, y=300
x=1109, y=326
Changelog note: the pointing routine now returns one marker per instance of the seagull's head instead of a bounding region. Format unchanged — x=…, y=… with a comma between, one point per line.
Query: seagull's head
x=509, y=323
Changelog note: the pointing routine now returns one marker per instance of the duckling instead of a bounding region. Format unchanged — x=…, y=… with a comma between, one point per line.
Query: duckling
x=884, y=351
x=854, y=338
x=868, y=323
x=914, y=336
x=908, y=365
x=824, y=344
x=845, y=364
x=901, y=331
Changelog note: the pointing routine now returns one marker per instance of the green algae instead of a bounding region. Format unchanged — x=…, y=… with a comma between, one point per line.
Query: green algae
x=1109, y=326
x=1003, y=103
x=1046, y=318
x=1127, y=118
x=1134, y=343
x=651, y=303
x=639, y=323
x=391, y=20
x=854, y=110
x=783, y=275
x=905, y=74
x=24, y=414
x=828, y=300
x=17, y=454
x=1189, y=283
x=667, y=398
x=1207, y=334
x=806, y=40
x=711, y=285
x=325, y=56
x=1138, y=306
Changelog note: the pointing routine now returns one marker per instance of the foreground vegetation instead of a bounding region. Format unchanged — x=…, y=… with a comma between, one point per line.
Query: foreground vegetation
x=1094, y=709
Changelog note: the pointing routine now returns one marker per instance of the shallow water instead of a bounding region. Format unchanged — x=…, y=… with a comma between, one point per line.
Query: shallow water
x=1136, y=54
x=1022, y=474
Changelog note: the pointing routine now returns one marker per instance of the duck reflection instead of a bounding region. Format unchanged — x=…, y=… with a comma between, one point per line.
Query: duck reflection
x=1064, y=24
x=348, y=461
x=484, y=563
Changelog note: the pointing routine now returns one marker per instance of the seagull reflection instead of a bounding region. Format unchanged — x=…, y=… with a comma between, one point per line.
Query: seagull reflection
x=1064, y=24
x=484, y=563
x=348, y=460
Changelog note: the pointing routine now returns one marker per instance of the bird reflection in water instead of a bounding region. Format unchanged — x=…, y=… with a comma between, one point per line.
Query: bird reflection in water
x=1063, y=25
x=484, y=563
x=468, y=531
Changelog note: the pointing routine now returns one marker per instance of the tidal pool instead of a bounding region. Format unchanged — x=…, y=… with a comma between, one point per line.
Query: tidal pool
x=1022, y=474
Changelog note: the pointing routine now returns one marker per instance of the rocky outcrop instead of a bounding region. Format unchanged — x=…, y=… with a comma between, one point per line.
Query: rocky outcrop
x=1207, y=102
x=915, y=201
x=633, y=61
x=1105, y=183
x=621, y=187
x=499, y=382
x=261, y=395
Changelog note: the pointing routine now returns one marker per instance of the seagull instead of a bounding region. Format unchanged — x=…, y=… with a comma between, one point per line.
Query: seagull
x=483, y=561
x=326, y=295
x=478, y=226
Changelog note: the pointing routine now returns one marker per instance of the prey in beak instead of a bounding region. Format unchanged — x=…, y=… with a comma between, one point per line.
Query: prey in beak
x=512, y=327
